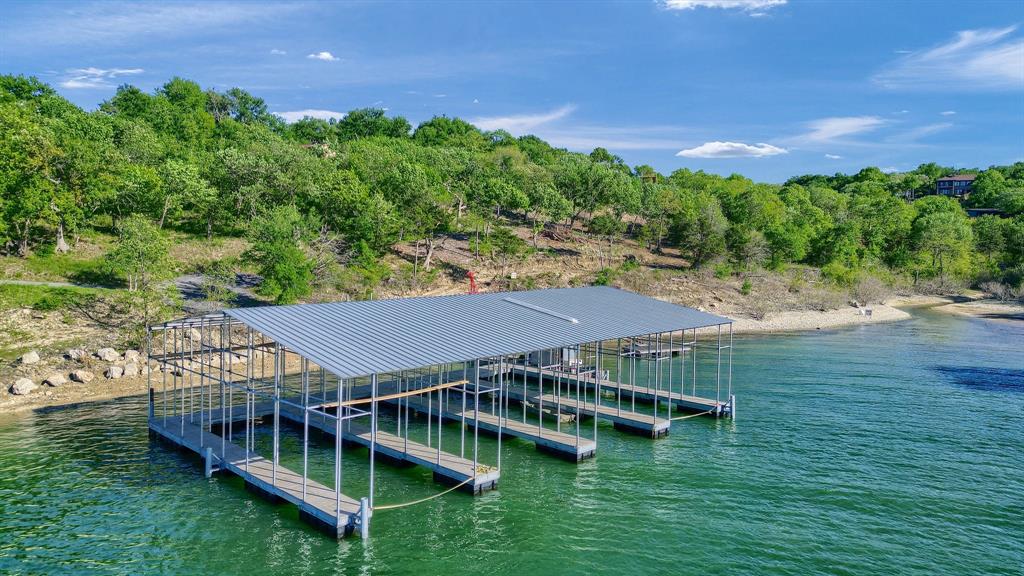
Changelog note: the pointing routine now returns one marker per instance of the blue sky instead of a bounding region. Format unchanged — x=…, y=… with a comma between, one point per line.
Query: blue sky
x=765, y=88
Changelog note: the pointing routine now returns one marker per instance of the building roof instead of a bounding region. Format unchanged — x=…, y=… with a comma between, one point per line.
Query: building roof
x=957, y=177
x=360, y=338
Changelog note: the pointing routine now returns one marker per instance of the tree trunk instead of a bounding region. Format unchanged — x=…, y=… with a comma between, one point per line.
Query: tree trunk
x=209, y=227
x=163, y=213
x=430, y=253
x=62, y=246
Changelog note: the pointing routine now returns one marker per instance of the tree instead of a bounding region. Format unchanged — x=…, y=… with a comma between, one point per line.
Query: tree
x=988, y=235
x=699, y=228
x=946, y=238
x=370, y=122
x=276, y=248
x=746, y=246
x=141, y=253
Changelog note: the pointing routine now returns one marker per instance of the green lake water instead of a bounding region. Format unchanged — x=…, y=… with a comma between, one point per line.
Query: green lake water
x=887, y=449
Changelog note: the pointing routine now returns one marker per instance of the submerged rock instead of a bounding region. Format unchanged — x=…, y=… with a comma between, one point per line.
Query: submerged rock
x=55, y=380
x=82, y=376
x=30, y=357
x=23, y=386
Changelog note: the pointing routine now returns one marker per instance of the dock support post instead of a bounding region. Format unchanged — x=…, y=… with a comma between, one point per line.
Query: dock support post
x=732, y=406
x=364, y=517
x=208, y=461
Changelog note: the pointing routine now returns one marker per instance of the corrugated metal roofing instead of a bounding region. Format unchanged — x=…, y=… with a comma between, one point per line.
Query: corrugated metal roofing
x=359, y=338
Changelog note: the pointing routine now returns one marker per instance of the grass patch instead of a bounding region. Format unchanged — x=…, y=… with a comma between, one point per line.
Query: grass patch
x=44, y=298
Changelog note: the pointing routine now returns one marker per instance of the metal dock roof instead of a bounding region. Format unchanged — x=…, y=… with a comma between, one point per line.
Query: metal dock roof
x=360, y=338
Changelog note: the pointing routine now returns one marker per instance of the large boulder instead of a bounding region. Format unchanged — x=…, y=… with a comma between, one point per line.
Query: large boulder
x=55, y=379
x=30, y=357
x=132, y=355
x=23, y=386
x=82, y=376
x=131, y=369
x=114, y=372
x=76, y=354
x=108, y=355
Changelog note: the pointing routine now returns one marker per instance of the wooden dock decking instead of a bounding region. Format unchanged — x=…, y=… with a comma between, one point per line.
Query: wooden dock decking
x=641, y=393
x=319, y=505
x=447, y=467
x=565, y=446
x=633, y=422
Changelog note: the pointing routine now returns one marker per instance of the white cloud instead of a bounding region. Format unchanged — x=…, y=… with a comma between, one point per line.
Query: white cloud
x=325, y=56
x=983, y=59
x=731, y=150
x=831, y=129
x=752, y=7
x=475, y=101
x=890, y=169
x=947, y=113
x=277, y=52
x=522, y=123
x=440, y=95
x=96, y=77
x=833, y=156
x=296, y=115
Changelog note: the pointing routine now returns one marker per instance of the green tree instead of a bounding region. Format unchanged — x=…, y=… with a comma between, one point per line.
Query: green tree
x=140, y=255
x=276, y=248
x=699, y=228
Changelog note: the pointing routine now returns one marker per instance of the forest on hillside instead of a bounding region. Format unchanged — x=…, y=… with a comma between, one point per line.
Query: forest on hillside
x=323, y=201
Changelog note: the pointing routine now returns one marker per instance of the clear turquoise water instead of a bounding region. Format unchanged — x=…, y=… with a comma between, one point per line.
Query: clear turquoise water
x=890, y=449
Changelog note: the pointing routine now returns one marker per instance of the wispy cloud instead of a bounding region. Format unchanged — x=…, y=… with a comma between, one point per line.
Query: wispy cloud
x=752, y=7
x=117, y=22
x=833, y=156
x=296, y=115
x=983, y=59
x=731, y=150
x=837, y=127
x=325, y=56
x=920, y=132
x=78, y=78
x=523, y=123
x=947, y=113
x=277, y=52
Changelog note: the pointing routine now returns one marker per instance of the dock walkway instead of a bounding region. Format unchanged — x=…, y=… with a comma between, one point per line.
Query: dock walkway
x=320, y=505
x=624, y=420
x=641, y=393
x=560, y=444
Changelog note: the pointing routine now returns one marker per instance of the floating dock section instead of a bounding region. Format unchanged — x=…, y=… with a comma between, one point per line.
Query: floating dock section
x=440, y=371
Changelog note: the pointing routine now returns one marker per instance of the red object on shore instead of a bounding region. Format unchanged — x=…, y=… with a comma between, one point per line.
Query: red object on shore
x=472, y=283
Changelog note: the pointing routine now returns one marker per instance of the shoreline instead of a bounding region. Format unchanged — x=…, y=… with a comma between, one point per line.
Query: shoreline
x=778, y=323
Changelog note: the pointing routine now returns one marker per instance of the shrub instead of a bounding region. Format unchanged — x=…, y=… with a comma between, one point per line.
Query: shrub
x=722, y=271
x=746, y=287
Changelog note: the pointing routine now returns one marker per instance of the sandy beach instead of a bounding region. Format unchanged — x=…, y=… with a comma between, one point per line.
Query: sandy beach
x=794, y=321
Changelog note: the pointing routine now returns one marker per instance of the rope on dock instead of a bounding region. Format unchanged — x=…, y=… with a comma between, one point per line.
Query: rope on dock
x=421, y=500
x=692, y=415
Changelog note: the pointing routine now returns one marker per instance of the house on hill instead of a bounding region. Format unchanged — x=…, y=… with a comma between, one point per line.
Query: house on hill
x=956, y=186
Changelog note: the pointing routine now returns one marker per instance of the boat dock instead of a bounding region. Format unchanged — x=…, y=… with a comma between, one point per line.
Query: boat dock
x=228, y=381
